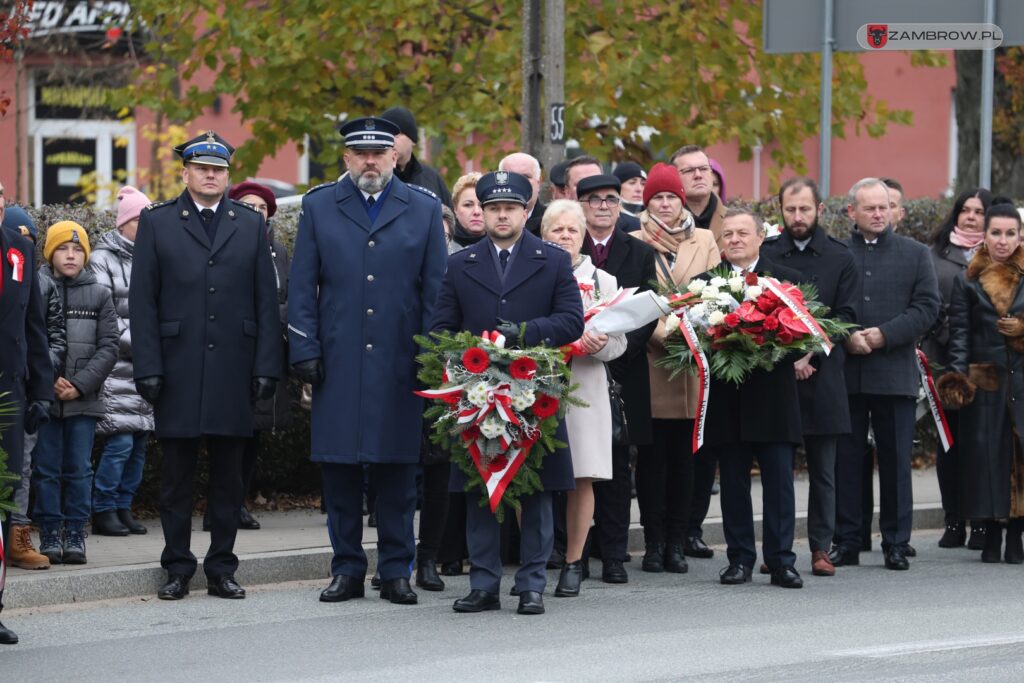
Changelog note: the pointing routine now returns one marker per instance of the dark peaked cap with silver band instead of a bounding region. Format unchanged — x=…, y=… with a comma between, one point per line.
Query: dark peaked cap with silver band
x=504, y=186
x=208, y=148
x=369, y=132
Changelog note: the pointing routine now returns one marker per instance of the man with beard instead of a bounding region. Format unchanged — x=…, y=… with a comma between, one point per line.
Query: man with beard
x=826, y=263
x=369, y=257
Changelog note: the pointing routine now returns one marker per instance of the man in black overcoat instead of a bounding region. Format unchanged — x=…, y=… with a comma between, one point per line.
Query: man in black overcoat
x=206, y=340
x=631, y=261
x=26, y=375
x=826, y=263
x=759, y=418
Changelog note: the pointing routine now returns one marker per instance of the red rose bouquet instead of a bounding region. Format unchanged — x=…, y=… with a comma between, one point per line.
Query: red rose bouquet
x=495, y=409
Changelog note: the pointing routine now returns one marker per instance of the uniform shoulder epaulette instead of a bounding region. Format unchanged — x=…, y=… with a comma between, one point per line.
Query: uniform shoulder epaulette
x=423, y=190
x=248, y=206
x=160, y=205
x=321, y=186
x=552, y=244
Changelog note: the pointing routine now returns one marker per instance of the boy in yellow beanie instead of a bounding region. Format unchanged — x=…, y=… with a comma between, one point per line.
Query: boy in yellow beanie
x=64, y=449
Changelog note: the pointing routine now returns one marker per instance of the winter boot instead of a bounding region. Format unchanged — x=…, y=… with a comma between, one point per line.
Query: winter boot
x=134, y=526
x=993, y=541
x=654, y=558
x=51, y=544
x=1014, y=543
x=955, y=534
x=107, y=523
x=977, y=539
x=74, y=544
x=23, y=553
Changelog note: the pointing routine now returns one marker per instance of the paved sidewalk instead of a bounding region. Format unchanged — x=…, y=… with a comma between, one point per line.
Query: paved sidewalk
x=294, y=546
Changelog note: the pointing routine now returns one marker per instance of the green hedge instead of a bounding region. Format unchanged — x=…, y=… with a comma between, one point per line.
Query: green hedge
x=284, y=462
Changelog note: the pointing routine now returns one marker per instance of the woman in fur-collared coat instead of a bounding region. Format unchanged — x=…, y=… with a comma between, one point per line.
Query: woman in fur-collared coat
x=986, y=382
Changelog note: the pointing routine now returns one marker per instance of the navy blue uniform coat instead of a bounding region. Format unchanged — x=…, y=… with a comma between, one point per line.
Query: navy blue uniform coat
x=204, y=317
x=540, y=290
x=359, y=293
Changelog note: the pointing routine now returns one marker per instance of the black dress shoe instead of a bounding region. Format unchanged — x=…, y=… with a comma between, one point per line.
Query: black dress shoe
x=787, y=577
x=614, y=572
x=175, y=589
x=569, y=580
x=451, y=568
x=696, y=547
x=531, y=602
x=514, y=591
x=426, y=575
x=343, y=588
x=107, y=523
x=654, y=558
x=842, y=557
x=225, y=587
x=246, y=520
x=896, y=558
x=375, y=581
x=734, y=574
x=909, y=550
x=134, y=526
x=477, y=601
x=7, y=636
x=398, y=591
x=675, y=561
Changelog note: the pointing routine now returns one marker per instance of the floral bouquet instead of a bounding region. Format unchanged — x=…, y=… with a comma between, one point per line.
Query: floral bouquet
x=742, y=323
x=495, y=409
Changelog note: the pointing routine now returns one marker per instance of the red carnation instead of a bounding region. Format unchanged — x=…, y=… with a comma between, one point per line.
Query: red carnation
x=523, y=368
x=784, y=336
x=771, y=323
x=476, y=360
x=545, y=406
x=499, y=463
x=768, y=302
x=751, y=279
x=732, y=319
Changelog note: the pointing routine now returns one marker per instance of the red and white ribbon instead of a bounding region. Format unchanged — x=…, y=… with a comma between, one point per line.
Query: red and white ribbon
x=704, y=377
x=442, y=394
x=801, y=312
x=934, y=404
x=497, y=481
x=17, y=261
x=499, y=399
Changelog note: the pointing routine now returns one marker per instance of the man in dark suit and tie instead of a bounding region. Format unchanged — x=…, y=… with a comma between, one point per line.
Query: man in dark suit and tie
x=631, y=261
x=501, y=282
x=759, y=418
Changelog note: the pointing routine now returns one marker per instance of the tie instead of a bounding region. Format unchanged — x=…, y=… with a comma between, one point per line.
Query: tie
x=371, y=200
x=600, y=254
x=207, y=215
x=503, y=259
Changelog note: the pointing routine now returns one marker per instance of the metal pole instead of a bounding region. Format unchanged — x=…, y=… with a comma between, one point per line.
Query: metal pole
x=825, y=145
x=553, y=148
x=987, y=87
x=533, y=119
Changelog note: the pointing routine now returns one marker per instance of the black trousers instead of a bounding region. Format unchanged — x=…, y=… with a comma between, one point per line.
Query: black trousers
x=249, y=457
x=664, y=481
x=779, y=505
x=434, y=510
x=612, y=507
x=12, y=442
x=705, y=463
x=177, y=485
x=892, y=418
x=453, y=541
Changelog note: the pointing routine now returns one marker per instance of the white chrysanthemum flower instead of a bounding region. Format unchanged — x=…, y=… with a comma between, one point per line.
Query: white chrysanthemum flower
x=492, y=427
x=698, y=311
x=736, y=284
x=709, y=293
x=523, y=400
x=696, y=286
x=716, y=317
x=477, y=394
x=753, y=291
x=718, y=282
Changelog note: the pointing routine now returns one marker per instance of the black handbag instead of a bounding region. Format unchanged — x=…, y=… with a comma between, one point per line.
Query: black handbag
x=620, y=425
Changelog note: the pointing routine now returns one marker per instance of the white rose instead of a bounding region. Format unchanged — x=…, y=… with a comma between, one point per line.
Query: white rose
x=671, y=323
x=523, y=400
x=477, y=394
x=696, y=286
x=717, y=282
x=716, y=317
x=492, y=427
x=736, y=284
x=710, y=293
x=726, y=300
x=753, y=291
x=698, y=311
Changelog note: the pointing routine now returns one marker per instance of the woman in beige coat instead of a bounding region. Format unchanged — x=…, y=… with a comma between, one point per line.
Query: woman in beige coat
x=590, y=427
x=664, y=469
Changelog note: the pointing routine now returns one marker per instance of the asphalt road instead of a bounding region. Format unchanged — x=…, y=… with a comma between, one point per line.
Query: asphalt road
x=949, y=617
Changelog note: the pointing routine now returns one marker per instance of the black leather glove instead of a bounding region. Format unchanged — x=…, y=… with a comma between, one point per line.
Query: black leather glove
x=509, y=330
x=37, y=413
x=149, y=388
x=309, y=371
x=263, y=388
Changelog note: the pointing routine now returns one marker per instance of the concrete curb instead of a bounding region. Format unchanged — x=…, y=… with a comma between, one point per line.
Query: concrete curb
x=127, y=581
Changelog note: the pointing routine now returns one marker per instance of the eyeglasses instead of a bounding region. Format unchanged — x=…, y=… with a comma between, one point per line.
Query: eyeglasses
x=596, y=202
x=690, y=170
